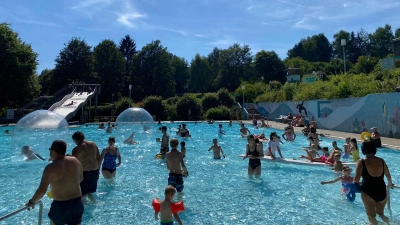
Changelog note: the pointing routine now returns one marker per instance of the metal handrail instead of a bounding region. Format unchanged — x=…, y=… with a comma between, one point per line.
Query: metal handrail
x=25, y=208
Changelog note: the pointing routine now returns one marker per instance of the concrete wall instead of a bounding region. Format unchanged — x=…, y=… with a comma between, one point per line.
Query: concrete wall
x=348, y=115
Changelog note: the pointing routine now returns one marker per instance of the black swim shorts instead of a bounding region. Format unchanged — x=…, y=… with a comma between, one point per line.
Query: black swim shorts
x=89, y=183
x=66, y=212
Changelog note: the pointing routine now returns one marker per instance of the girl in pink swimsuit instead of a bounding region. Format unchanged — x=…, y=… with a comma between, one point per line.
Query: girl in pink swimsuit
x=345, y=178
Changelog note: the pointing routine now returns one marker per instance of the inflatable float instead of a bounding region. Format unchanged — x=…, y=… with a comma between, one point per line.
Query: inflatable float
x=298, y=161
x=176, y=207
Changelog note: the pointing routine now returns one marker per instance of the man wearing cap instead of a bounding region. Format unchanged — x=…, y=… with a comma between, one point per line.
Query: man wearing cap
x=376, y=137
x=64, y=175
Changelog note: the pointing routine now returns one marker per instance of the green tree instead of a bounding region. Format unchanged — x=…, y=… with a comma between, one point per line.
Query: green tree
x=127, y=46
x=75, y=62
x=269, y=66
x=152, y=63
x=17, y=69
x=210, y=100
x=45, y=81
x=397, y=33
x=315, y=49
x=298, y=62
x=153, y=105
x=296, y=51
x=337, y=43
x=225, y=97
x=180, y=73
x=213, y=58
x=200, y=74
x=381, y=42
x=364, y=65
x=186, y=103
x=109, y=65
x=234, y=63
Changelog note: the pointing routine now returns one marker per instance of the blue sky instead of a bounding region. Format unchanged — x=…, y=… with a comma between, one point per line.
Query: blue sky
x=187, y=27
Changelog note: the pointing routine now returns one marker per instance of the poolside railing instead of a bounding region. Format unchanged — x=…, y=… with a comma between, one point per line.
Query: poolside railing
x=25, y=208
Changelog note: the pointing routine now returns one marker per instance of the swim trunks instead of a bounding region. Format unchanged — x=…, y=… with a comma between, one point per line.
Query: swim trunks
x=176, y=180
x=66, y=212
x=164, y=150
x=217, y=158
x=89, y=183
x=166, y=222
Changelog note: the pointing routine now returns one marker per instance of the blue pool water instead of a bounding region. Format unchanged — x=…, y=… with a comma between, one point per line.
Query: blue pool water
x=216, y=192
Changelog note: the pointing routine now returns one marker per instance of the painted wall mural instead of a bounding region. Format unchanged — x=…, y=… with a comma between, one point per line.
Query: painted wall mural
x=349, y=115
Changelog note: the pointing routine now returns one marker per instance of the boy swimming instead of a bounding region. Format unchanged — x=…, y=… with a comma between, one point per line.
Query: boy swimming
x=216, y=149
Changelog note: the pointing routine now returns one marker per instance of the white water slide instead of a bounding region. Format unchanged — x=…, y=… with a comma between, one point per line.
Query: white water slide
x=71, y=103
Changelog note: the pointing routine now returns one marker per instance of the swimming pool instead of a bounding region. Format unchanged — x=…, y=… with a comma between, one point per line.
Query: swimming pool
x=216, y=192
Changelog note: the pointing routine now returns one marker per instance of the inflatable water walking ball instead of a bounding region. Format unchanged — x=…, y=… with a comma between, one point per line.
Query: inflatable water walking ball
x=38, y=130
x=136, y=120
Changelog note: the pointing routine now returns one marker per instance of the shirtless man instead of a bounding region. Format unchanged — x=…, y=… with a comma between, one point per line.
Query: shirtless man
x=216, y=149
x=376, y=137
x=175, y=165
x=164, y=141
x=63, y=175
x=184, y=132
x=88, y=154
x=244, y=130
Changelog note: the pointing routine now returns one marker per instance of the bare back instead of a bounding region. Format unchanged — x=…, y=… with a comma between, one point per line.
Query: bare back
x=88, y=154
x=374, y=166
x=174, y=160
x=66, y=175
x=164, y=141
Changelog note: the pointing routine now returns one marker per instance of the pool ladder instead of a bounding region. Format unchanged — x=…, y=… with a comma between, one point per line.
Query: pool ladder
x=25, y=208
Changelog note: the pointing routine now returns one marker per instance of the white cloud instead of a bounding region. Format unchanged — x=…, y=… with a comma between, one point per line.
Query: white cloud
x=303, y=24
x=91, y=3
x=128, y=19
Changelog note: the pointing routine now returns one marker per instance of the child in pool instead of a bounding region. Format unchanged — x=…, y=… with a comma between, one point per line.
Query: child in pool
x=165, y=208
x=289, y=134
x=337, y=164
x=216, y=149
x=183, y=149
x=347, y=150
x=30, y=154
x=313, y=152
x=354, y=150
x=321, y=159
x=345, y=178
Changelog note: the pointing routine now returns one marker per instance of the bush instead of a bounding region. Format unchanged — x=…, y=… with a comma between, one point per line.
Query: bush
x=225, y=97
x=251, y=91
x=186, y=103
x=289, y=89
x=397, y=63
x=271, y=96
x=210, y=100
x=171, y=101
x=171, y=112
x=154, y=105
x=122, y=104
x=218, y=113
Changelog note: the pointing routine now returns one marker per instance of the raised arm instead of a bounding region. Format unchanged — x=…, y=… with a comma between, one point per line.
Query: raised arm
x=331, y=181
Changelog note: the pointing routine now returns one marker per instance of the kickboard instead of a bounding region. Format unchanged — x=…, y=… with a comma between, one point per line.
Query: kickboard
x=298, y=161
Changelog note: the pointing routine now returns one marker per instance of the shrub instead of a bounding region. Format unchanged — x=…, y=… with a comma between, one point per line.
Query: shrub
x=154, y=105
x=251, y=91
x=225, y=97
x=218, y=113
x=171, y=101
x=122, y=104
x=171, y=112
x=186, y=103
x=397, y=63
x=289, y=89
x=271, y=96
x=210, y=100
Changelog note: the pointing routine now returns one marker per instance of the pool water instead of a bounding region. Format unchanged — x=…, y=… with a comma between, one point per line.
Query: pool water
x=216, y=192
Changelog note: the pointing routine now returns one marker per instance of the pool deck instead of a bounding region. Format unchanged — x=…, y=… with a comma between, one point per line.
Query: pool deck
x=386, y=142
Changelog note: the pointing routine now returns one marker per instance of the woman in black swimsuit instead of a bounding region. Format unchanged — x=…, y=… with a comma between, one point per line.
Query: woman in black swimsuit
x=373, y=188
x=254, y=153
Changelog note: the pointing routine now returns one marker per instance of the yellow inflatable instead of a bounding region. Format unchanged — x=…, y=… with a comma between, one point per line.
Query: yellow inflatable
x=365, y=136
x=50, y=194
